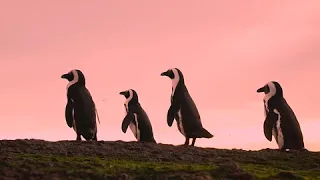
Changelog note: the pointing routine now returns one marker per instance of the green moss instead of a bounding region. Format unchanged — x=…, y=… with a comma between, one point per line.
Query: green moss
x=260, y=171
x=75, y=164
x=100, y=166
x=264, y=172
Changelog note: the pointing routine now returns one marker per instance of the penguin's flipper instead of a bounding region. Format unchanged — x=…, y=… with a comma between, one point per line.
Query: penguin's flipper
x=126, y=121
x=69, y=113
x=172, y=111
x=268, y=124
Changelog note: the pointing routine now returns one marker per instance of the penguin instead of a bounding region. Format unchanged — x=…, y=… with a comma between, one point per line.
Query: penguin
x=183, y=109
x=136, y=118
x=80, y=111
x=280, y=120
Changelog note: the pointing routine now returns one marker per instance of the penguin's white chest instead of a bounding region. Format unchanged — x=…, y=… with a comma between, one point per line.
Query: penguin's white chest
x=179, y=121
x=277, y=131
x=180, y=125
x=175, y=82
x=74, y=125
x=135, y=128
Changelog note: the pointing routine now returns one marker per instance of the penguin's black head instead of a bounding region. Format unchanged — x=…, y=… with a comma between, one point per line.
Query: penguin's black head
x=264, y=89
x=130, y=94
x=74, y=76
x=173, y=73
x=126, y=94
x=168, y=73
x=69, y=76
x=272, y=88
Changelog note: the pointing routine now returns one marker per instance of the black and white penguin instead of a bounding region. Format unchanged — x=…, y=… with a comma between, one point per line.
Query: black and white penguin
x=80, y=112
x=183, y=109
x=281, y=122
x=136, y=118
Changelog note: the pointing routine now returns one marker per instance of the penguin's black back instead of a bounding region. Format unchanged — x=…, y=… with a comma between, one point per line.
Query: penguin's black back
x=293, y=138
x=145, y=127
x=191, y=117
x=84, y=111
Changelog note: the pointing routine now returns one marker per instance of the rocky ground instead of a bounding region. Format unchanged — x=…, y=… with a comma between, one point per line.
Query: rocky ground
x=38, y=159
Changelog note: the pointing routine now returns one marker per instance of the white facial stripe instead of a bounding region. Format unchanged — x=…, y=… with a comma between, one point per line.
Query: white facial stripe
x=75, y=79
x=272, y=92
x=175, y=80
x=128, y=100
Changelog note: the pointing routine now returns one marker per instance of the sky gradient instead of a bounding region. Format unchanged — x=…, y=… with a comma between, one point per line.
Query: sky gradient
x=226, y=50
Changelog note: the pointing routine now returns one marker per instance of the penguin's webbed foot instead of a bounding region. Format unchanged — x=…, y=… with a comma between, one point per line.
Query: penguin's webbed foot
x=78, y=138
x=186, y=143
x=95, y=138
x=193, y=141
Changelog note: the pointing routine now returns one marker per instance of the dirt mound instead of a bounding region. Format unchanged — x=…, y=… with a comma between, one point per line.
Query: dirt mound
x=38, y=159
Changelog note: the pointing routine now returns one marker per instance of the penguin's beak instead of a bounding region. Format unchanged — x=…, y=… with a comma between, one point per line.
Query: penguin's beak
x=65, y=76
x=68, y=76
x=167, y=73
x=261, y=89
x=164, y=73
x=123, y=93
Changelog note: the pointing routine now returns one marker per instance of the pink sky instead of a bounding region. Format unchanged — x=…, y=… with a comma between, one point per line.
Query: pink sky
x=226, y=50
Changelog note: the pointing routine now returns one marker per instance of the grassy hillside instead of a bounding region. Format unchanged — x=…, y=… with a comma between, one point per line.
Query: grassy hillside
x=38, y=159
